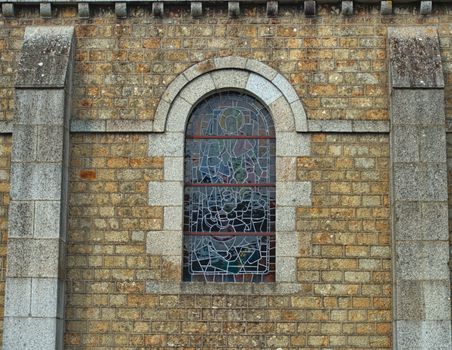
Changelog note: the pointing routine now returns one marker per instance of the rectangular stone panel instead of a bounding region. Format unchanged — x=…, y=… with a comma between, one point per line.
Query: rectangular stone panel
x=165, y=193
x=36, y=181
x=406, y=149
x=285, y=219
x=409, y=300
x=46, y=297
x=50, y=143
x=40, y=107
x=287, y=244
x=173, y=218
x=420, y=181
x=293, y=194
x=290, y=144
x=167, y=243
x=421, y=220
x=415, y=60
x=425, y=335
x=435, y=221
x=47, y=219
x=437, y=300
x=21, y=219
x=30, y=333
x=18, y=297
x=432, y=145
x=422, y=260
x=286, y=269
x=417, y=107
x=24, y=143
x=170, y=144
x=33, y=257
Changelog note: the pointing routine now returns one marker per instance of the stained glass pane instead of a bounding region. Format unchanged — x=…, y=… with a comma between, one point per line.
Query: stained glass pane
x=229, y=204
x=229, y=258
x=230, y=113
x=232, y=161
x=229, y=209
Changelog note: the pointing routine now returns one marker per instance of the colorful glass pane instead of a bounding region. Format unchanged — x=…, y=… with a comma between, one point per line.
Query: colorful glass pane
x=229, y=209
x=229, y=114
x=229, y=258
x=231, y=161
x=229, y=204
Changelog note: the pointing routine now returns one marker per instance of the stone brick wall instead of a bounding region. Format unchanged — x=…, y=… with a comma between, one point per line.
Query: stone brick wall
x=344, y=271
x=345, y=265
x=336, y=64
x=449, y=182
x=5, y=152
x=338, y=67
x=107, y=264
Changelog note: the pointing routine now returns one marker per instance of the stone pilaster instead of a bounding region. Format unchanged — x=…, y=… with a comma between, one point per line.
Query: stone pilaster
x=34, y=304
x=419, y=191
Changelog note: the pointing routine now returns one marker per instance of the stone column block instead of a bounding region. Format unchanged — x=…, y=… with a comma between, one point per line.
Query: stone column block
x=196, y=9
x=419, y=191
x=121, y=9
x=272, y=8
x=347, y=7
x=83, y=10
x=386, y=8
x=426, y=8
x=234, y=9
x=310, y=8
x=45, y=10
x=158, y=9
x=36, y=245
x=8, y=10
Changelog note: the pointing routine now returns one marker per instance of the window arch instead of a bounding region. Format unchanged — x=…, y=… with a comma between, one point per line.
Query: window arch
x=229, y=195
x=180, y=99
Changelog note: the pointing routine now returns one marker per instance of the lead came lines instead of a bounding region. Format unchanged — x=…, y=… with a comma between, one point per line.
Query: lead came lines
x=229, y=214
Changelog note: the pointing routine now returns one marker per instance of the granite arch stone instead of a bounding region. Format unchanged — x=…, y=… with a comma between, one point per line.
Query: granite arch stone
x=235, y=73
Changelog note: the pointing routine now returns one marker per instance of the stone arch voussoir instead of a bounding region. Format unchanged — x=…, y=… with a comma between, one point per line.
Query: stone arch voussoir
x=248, y=75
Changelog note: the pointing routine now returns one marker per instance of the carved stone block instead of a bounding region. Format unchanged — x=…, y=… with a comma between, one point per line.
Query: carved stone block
x=83, y=10
x=347, y=7
x=310, y=8
x=121, y=9
x=426, y=8
x=45, y=10
x=157, y=9
x=386, y=8
x=234, y=8
x=8, y=10
x=272, y=8
x=196, y=9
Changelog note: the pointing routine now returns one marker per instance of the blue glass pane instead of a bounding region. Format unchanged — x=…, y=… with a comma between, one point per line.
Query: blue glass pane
x=229, y=209
x=228, y=114
x=229, y=258
x=229, y=161
x=229, y=188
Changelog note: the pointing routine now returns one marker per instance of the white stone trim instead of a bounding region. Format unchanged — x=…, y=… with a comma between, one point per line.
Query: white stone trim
x=228, y=73
x=168, y=138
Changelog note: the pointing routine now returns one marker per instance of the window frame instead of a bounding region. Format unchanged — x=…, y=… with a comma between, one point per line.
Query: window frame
x=276, y=93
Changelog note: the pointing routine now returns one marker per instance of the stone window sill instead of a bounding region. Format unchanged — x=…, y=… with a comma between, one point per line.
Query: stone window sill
x=200, y=288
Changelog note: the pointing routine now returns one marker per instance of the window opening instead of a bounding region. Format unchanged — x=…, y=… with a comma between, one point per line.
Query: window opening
x=229, y=194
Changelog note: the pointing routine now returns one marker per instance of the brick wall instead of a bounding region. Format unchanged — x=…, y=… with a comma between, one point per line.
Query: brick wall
x=338, y=67
x=345, y=268
x=5, y=152
x=106, y=261
x=336, y=64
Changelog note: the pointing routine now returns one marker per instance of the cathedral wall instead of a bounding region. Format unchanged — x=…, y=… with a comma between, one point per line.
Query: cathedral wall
x=338, y=67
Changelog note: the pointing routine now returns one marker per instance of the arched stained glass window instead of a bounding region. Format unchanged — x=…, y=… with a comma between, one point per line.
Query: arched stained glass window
x=229, y=198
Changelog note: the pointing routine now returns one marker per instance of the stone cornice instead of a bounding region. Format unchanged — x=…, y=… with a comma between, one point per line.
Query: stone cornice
x=308, y=7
